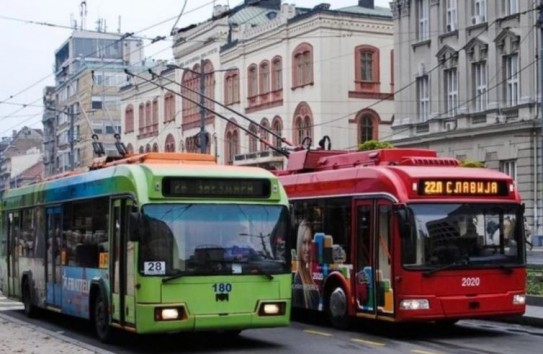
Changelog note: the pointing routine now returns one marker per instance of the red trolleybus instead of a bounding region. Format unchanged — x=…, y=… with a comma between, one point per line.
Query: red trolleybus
x=403, y=235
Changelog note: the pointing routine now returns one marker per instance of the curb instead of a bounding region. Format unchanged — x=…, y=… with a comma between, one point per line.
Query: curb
x=56, y=335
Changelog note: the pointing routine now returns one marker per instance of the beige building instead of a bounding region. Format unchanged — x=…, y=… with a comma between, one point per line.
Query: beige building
x=291, y=72
x=467, y=80
x=89, y=69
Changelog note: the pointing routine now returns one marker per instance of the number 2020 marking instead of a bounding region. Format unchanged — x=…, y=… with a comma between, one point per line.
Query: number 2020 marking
x=222, y=287
x=471, y=281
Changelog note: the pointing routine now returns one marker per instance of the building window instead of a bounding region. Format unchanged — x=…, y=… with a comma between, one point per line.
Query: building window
x=302, y=73
x=141, y=117
x=253, y=138
x=252, y=81
x=510, y=7
x=451, y=91
x=509, y=167
x=480, y=86
x=231, y=89
x=451, y=16
x=189, y=88
x=367, y=68
x=148, y=116
x=423, y=11
x=366, y=129
x=169, y=145
x=154, y=127
x=231, y=143
x=169, y=107
x=277, y=128
x=209, y=88
x=511, y=79
x=277, y=74
x=129, y=119
x=478, y=11
x=423, y=98
x=264, y=135
x=264, y=77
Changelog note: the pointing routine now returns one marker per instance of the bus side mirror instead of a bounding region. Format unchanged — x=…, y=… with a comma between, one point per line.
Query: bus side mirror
x=134, y=227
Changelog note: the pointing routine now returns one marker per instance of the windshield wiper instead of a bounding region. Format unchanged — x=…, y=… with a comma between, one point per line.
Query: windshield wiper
x=445, y=267
x=173, y=277
x=262, y=271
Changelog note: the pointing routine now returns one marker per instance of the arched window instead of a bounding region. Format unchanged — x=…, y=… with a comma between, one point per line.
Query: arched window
x=277, y=128
x=264, y=77
x=130, y=148
x=142, y=149
x=169, y=107
x=141, y=118
x=169, y=145
x=129, y=119
x=303, y=123
x=155, y=147
x=302, y=70
x=189, y=90
x=231, y=145
x=231, y=87
x=253, y=140
x=368, y=126
x=154, y=126
x=148, y=148
x=252, y=81
x=264, y=135
x=277, y=74
x=209, y=84
x=148, y=117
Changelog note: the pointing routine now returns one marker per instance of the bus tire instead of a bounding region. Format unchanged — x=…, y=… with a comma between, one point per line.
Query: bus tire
x=30, y=309
x=101, y=318
x=337, y=308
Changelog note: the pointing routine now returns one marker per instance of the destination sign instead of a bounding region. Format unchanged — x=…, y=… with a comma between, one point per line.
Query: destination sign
x=216, y=187
x=462, y=187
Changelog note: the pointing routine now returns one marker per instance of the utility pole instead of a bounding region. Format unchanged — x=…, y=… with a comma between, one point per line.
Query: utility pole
x=203, y=142
x=536, y=192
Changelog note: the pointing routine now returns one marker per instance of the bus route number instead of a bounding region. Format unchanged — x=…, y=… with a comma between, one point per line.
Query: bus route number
x=154, y=268
x=221, y=288
x=471, y=281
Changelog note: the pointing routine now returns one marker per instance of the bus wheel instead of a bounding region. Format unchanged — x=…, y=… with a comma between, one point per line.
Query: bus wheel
x=337, y=309
x=30, y=310
x=101, y=318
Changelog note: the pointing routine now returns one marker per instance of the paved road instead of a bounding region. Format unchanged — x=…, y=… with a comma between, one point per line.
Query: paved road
x=535, y=256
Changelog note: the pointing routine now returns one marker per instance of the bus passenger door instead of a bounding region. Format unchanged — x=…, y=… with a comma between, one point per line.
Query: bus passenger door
x=383, y=260
x=13, y=229
x=52, y=256
x=364, y=259
x=122, y=275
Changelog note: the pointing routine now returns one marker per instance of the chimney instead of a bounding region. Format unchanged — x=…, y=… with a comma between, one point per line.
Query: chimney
x=366, y=3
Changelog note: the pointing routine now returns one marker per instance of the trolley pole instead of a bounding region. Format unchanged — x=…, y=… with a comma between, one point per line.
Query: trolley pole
x=203, y=142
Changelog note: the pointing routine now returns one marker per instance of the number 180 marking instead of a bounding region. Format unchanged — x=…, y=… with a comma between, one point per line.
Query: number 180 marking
x=222, y=287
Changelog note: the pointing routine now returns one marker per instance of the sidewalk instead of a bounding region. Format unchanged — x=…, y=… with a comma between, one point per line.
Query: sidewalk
x=20, y=337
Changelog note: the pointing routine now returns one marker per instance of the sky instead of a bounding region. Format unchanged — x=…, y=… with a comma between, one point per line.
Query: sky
x=34, y=29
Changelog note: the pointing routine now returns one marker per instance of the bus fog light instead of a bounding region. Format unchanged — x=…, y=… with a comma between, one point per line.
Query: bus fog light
x=415, y=304
x=168, y=313
x=519, y=299
x=272, y=309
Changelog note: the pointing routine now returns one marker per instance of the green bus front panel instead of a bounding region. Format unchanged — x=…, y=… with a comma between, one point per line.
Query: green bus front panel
x=213, y=303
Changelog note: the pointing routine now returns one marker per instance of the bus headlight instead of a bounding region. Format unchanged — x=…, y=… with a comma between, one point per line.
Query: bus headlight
x=272, y=309
x=415, y=304
x=519, y=299
x=169, y=313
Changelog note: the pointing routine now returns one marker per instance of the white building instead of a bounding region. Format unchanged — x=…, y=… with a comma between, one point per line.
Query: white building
x=297, y=72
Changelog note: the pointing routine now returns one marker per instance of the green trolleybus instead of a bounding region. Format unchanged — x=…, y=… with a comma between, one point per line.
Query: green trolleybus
x=158, y=242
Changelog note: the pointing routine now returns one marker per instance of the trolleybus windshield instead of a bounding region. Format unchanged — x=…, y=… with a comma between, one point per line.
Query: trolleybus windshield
x=445, y=236
x=207, y=239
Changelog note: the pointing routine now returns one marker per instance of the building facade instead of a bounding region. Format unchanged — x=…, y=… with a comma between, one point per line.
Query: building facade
x=290, y=72
x=467, y=86
x=89, y=70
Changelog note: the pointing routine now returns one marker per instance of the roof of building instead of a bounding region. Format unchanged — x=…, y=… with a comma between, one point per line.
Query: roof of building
x=377, y=11
x=253, y=15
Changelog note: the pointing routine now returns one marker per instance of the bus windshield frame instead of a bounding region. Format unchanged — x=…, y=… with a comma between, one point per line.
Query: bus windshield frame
x=463, y=235
x=213, y=239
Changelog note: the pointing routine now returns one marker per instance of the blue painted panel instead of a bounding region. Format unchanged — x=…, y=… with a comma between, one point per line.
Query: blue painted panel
x=76, y=283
